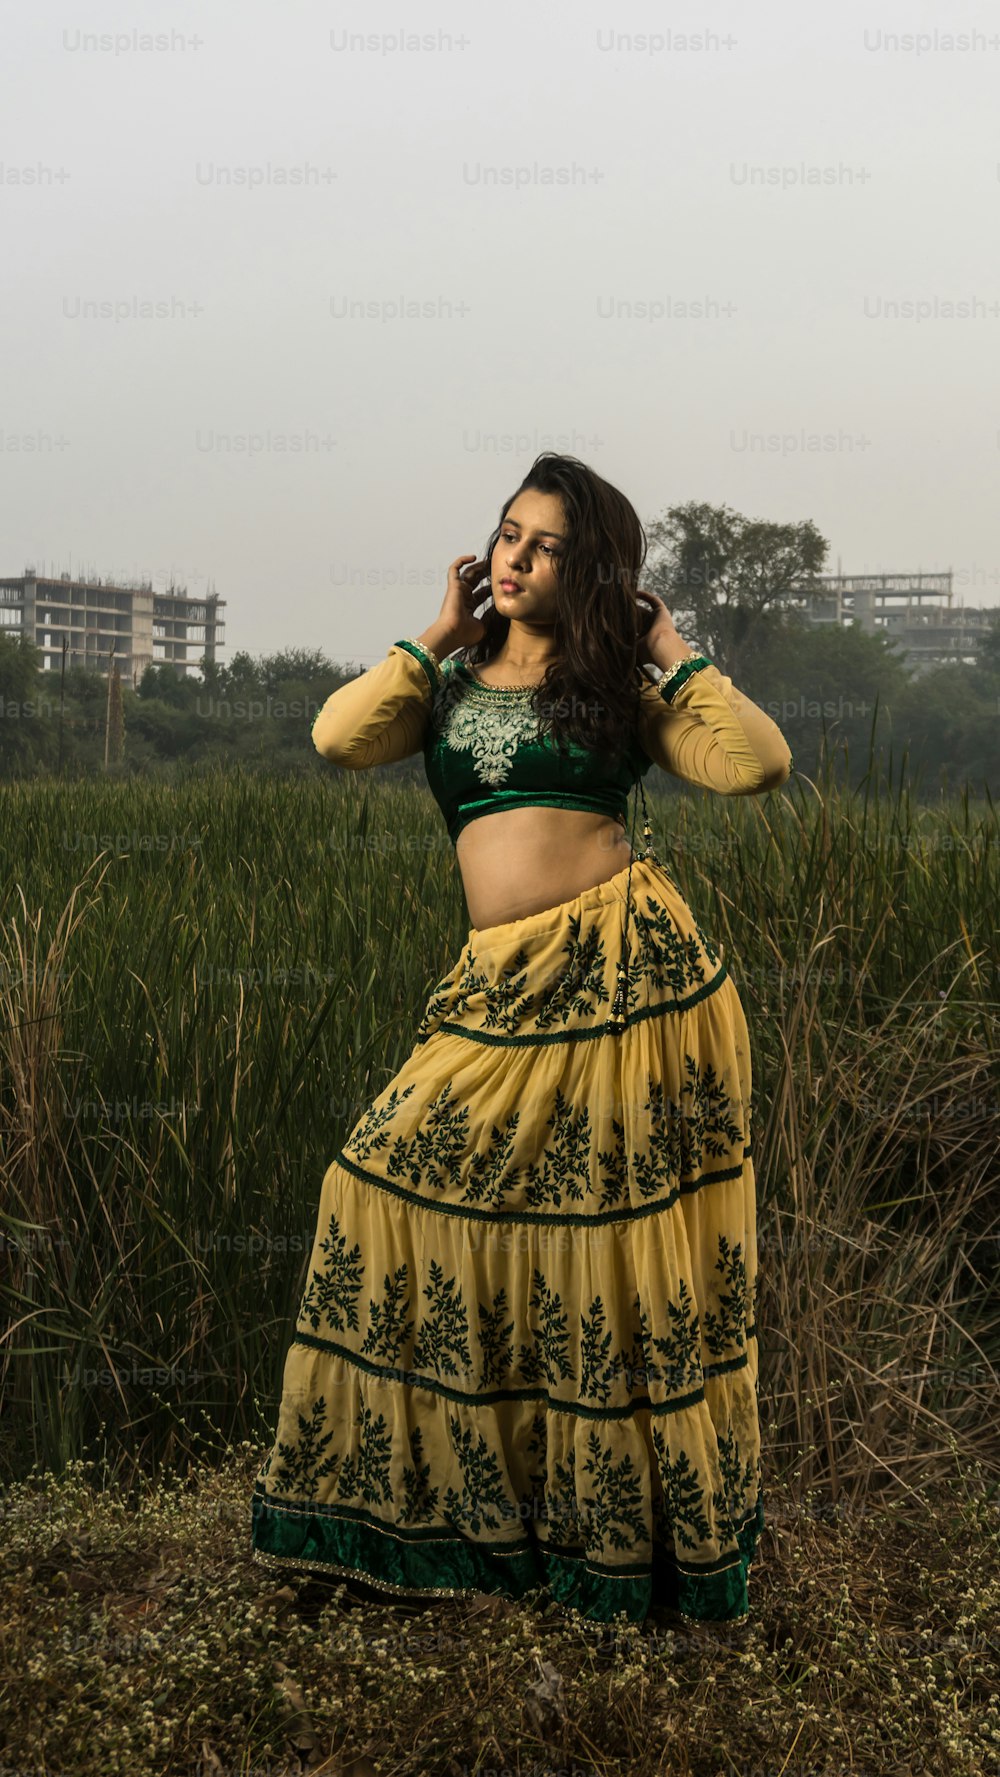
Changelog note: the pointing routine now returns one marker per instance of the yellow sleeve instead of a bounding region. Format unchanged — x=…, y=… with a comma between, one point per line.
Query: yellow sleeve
x=710, y=734
x=382, y=715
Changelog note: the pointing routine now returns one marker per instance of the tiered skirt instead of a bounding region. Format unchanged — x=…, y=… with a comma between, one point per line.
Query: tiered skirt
x=526, y=1352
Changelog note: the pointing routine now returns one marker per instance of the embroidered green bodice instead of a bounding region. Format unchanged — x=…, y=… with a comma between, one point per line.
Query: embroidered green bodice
x=483, y=750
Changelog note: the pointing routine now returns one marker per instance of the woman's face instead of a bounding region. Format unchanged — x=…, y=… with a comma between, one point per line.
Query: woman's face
x=527, y=552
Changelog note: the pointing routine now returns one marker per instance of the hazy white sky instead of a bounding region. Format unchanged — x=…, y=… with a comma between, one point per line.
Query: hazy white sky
x=678, y=241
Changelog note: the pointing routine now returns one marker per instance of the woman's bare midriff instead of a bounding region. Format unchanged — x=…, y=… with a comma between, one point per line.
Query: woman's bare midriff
x=521, y=860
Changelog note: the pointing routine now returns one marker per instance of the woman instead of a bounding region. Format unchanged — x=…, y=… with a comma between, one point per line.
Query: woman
x=526, y=1354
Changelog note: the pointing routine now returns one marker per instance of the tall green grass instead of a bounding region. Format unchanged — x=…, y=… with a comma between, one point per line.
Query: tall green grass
x=202, y=986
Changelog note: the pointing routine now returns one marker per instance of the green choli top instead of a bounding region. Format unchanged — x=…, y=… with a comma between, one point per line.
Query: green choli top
x=484, y=752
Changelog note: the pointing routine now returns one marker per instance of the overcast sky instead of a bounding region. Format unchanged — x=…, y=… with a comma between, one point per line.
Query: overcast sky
x=741, y=253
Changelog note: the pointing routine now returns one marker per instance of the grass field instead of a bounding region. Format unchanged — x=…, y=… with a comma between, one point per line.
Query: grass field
x=200, y=989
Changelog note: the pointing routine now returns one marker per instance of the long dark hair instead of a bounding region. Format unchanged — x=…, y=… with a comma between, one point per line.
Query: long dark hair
x=589, y=694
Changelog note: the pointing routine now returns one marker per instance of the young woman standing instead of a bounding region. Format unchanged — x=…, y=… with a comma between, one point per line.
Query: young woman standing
x=526, y=1354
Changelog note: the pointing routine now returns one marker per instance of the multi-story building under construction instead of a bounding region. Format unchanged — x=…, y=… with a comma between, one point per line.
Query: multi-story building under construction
x=101, y=620
x=915, y=610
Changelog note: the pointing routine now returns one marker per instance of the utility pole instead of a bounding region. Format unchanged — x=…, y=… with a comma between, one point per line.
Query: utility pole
x=107, y=712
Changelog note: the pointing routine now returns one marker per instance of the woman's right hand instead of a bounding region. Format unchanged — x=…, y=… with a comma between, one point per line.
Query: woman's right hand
x=464, y=576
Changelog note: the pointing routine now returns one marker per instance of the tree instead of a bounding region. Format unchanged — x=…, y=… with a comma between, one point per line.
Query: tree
x=988, y=652
x=21, y=705
x=947, y=720
x=164, y=684
x=720, y=572
x=299, y=665
x=821, y=685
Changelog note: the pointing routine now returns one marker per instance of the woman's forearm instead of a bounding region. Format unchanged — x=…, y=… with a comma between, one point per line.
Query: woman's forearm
x=438, y=639
x=669, y=651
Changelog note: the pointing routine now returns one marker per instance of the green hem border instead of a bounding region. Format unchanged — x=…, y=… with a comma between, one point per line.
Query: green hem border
x=436, y=1563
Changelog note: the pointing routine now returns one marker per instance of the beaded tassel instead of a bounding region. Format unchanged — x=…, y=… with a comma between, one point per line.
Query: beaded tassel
x=619, y=1011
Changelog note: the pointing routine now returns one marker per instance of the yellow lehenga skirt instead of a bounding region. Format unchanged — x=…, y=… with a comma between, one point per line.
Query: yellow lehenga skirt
x=526, y=1353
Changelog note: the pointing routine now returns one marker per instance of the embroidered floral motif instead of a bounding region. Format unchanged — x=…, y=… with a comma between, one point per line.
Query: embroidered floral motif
x=475, y=1163
x=451, y=998
x=730, y=1501
x=332, y=1291
x=729, y=1326
x=684, y=1495
x=369, y=1135
x=419, y=1498
x=493, y=744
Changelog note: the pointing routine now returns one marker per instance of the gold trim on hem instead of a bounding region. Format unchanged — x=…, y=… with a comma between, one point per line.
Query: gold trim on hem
x=286, y=1562
x=366, y=1579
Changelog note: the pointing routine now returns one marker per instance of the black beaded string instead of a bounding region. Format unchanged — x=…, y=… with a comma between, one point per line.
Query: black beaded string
x=619, y=1010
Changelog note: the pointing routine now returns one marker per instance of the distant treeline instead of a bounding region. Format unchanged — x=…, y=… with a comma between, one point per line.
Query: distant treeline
x=833, y=689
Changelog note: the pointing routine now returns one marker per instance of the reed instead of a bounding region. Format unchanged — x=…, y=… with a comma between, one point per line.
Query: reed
x=202, y=985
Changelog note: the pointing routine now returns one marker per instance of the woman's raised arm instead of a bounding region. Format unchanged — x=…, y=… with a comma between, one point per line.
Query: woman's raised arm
x=710, y=734
x=382, y=715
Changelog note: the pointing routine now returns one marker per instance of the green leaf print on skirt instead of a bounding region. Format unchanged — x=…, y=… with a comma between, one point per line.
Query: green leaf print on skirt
x=526, y=1351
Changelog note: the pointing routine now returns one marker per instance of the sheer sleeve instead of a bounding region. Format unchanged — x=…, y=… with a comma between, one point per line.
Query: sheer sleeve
x=382, y=715
x=710, y=734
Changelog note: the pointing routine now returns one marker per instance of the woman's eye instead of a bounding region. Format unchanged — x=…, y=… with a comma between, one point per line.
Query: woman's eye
x=507, y=538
